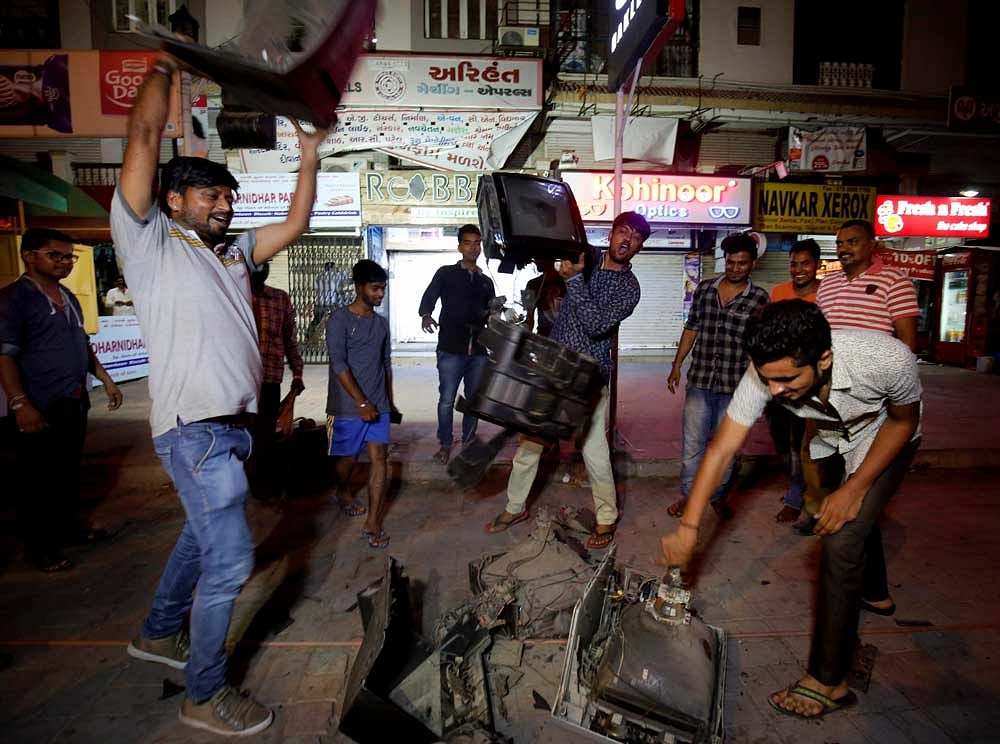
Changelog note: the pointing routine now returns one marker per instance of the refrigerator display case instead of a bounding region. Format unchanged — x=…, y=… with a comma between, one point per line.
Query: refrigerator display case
x=968, y=318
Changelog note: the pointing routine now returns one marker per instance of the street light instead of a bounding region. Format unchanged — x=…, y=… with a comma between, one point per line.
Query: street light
x=969, y=193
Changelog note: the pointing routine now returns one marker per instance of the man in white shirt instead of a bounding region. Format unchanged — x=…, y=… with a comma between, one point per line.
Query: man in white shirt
x=862, y=390
x=118, y=299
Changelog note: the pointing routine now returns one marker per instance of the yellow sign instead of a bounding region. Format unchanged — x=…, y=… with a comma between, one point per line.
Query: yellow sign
x=803, y=208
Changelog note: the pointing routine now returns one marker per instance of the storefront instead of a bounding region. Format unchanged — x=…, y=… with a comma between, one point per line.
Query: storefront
x=914, y=230
x=689, y=215
x=315, y=270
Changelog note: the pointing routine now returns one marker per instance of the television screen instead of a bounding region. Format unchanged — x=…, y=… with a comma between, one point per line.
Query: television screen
x=526, y=217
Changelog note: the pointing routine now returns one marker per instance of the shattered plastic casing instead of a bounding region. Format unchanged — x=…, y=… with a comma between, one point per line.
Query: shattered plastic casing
x=638, y=669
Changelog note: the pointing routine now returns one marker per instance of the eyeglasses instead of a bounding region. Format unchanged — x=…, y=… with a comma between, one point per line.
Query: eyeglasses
x=56, y=256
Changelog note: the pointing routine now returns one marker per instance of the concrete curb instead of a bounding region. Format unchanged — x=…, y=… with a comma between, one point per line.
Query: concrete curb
x=627, y=468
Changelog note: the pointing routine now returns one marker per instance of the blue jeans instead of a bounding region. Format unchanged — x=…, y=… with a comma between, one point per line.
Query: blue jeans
x=703, y=413
x=452, y=369
x=214, y=551
x=787, y=431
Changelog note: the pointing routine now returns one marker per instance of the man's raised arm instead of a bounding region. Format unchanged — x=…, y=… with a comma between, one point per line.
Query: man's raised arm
x=272, y=238
x=145, y=126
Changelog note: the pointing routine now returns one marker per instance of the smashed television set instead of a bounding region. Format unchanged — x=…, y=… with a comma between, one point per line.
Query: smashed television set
x=293, y=58
x=525, y=217
x=639, y=667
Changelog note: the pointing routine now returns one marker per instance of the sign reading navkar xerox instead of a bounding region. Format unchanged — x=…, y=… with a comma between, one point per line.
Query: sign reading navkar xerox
x=662, y=197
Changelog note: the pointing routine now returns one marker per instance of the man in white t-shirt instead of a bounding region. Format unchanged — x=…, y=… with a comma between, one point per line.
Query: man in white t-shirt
x=118, y=299
x=862, y=390
x=194, y=305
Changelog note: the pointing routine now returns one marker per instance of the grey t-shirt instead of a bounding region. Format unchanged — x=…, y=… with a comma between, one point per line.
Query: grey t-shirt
x=194, y=308
x=870, y=371
x=360, y=344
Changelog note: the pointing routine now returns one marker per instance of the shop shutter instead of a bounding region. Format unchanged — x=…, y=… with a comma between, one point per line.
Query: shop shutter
x=278, y=278
x=658, y=320
x=735, y=147
x=81, y=149
x=771, y=269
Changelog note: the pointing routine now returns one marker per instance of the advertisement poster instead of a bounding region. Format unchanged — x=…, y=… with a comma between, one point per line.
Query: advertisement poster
x=932, y=217
x=829, y=150
x=264, y=198
x=445, y=140
x=119, y=347
x=819, y=209
x=917, y=265
x=121, y=75
x=692, y=275
x=37, y=95
x=662, y=197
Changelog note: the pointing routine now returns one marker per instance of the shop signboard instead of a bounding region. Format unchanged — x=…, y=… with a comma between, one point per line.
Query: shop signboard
x=263, y=198
x=807, y=208
x=636, y=26
x=119, y=347
x=421, y=81
x=917, y=265
x=932, y=216
x=423, y=197
x=447, y=140
x=829, y=149
x=663, y=197
x=973, y=111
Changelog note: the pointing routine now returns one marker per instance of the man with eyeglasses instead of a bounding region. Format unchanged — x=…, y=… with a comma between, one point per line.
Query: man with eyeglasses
x=465, y=293
x=45, y=356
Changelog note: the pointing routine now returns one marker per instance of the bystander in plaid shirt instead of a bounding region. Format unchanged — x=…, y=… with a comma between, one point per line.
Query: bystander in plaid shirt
x=272, y=309
x=719, y=359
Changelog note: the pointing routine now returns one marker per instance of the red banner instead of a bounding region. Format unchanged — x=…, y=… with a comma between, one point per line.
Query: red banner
x=121, y=75
x=932, y=217
x=915, y=264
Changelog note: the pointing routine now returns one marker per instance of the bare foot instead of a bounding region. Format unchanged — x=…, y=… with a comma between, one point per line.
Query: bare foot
x=806, y=706
x=787, y=514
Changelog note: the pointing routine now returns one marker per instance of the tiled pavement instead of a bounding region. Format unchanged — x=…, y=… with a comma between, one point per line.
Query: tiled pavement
x=931, y=684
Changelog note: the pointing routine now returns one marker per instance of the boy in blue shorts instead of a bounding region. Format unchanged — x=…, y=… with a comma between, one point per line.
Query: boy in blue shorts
x=359, y=396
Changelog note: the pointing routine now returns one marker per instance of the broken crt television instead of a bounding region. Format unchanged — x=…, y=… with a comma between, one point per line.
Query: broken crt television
x=525, y=217
x=532, y=384
x=639, y=668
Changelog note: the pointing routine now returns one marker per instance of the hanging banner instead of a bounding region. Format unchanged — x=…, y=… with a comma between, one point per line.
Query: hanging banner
x=646, y=138
x=917, y=265
x=830, y=149
x=121, y=75
x=803, y=208
x=445, y=140
x=119, y=347
x=663, y=197
x=419, y=81
x=692, y=276
x=37, y=94
x=264, y=198
x=933, y=217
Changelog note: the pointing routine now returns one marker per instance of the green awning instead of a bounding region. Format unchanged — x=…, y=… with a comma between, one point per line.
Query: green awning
x=43, y=193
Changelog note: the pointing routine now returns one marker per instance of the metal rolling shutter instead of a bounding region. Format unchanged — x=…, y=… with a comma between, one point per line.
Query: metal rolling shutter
x=771, y=269
x=735, y=147
x=81, y=149
x=658, y=320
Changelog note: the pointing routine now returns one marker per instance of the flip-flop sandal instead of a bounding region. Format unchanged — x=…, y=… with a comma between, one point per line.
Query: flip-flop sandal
x=502, y=525
x=676, y=509
x=376, y=540
x=829, y=704
x=883, y=611
x=600, y=540
x=355, y=508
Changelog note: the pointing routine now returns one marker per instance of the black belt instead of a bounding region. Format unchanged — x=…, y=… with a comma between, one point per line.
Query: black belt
x=242, y=420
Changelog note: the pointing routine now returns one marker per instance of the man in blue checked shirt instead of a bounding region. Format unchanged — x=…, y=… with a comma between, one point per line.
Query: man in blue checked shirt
x=588, y=319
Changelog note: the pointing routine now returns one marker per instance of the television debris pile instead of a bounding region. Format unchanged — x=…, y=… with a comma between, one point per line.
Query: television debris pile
x=293, y=58
x=638, y=667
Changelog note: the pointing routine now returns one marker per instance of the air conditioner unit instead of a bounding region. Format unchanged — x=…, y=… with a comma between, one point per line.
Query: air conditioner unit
x=519, y=36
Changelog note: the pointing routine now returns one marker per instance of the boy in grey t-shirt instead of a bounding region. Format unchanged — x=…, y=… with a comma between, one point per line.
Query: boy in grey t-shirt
x=359, y=396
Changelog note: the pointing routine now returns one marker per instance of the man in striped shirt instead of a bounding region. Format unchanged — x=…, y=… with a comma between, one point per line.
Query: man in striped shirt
x=867, y=295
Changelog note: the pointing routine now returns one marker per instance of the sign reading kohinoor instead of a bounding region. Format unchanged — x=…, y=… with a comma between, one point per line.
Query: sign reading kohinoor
x=803, y=208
